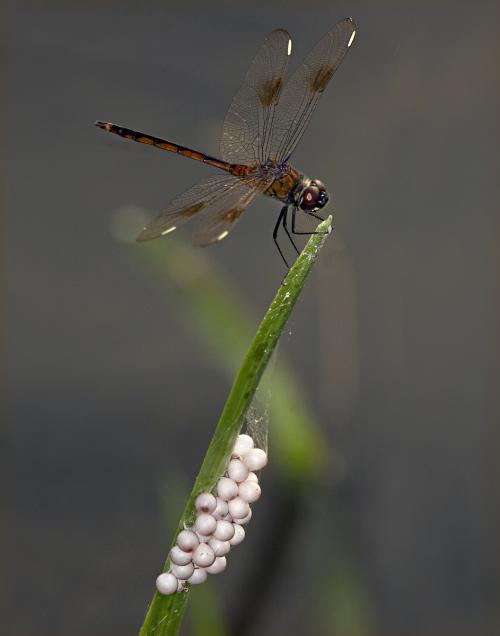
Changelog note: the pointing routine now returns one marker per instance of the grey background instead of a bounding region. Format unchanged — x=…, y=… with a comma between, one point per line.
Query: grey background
x=111, y=400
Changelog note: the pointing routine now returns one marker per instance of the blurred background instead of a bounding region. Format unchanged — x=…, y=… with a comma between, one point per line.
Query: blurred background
x=114, y=383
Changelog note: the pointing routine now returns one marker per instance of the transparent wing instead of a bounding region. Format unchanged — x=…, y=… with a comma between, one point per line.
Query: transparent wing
x=223, y=213
x=246, y=134
x=220, y=200
x=303, y=90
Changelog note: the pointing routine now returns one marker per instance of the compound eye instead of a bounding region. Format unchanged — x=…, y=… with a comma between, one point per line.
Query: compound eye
x=314, y=197
x=311, y=197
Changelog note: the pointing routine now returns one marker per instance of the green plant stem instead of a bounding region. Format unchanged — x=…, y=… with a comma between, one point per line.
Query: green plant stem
x=165, y=612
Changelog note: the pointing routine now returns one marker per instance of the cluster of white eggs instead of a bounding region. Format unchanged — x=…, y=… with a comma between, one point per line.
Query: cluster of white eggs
x=220, y=517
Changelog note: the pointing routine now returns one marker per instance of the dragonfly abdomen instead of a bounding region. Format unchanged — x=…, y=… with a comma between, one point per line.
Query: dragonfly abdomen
x=163, y=144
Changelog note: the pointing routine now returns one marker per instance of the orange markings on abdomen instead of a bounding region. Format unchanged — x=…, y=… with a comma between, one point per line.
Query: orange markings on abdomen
x=240, y=170
x=192, y=154
x=163, y=144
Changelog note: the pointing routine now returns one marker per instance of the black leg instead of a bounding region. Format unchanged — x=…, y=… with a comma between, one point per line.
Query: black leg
x=316, y=216
x=275, y=233
x=285, y=217
x=294, y=231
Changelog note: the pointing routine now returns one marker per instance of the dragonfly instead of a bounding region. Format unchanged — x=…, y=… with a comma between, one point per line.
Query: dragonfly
x=265, y=122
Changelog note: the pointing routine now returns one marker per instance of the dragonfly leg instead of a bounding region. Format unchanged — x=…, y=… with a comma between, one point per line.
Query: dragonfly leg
x=294, y=231
x=285, y=217
x=275, y=233
x=316, y=216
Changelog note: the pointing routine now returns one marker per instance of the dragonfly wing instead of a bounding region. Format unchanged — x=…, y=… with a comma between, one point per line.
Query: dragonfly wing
x=221, y=222
x=303, y=90
x=247, y=130
x=219, y=200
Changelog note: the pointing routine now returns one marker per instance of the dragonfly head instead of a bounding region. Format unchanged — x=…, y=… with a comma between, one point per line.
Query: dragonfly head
x=314, y=196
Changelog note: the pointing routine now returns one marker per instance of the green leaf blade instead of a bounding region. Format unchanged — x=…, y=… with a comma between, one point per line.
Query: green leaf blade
x=165, y=613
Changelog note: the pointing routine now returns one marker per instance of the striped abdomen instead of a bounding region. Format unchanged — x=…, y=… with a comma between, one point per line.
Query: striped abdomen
x=162, y=144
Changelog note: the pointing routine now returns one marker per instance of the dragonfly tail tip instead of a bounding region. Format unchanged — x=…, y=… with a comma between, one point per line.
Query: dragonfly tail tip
x=102, y=124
